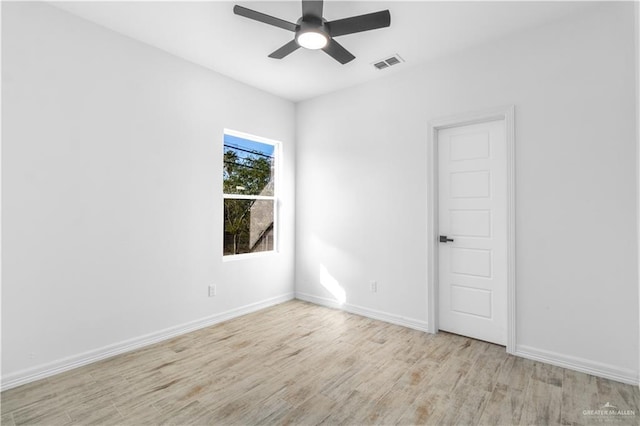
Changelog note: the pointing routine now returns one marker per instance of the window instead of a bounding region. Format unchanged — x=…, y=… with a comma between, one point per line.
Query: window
x=249, y=178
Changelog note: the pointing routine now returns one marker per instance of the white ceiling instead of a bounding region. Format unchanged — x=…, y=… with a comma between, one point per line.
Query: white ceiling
x=209, y=34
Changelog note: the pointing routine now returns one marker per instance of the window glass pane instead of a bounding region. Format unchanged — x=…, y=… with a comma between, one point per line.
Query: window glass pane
x=248, y=167
x=248, y=226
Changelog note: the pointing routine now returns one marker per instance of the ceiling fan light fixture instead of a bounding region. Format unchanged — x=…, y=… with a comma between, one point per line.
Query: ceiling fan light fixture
x=313, y=40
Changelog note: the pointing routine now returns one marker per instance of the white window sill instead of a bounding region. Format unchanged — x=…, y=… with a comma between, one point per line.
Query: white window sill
x=235, y=257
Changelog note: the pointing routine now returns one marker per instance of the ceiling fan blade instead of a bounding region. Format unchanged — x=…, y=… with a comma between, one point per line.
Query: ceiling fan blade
x=337, y=52
x=285, y=50
x=356, y=24
x=312, y=8
x=261, y=17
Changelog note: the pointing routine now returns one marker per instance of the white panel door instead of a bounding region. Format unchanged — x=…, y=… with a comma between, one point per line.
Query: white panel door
x=472, y=200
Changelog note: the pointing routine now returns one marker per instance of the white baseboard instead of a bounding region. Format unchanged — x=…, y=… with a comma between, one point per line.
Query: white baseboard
x=365, y=312
x=572, y=363
x=45, y=370
x=578, y=364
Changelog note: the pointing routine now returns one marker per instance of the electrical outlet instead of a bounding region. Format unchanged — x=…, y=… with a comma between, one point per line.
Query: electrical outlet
x=212, y=290
x=32, y=355
x=373, y=285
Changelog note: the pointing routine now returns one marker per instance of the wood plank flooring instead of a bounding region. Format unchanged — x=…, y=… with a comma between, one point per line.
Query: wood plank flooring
x=297, y=363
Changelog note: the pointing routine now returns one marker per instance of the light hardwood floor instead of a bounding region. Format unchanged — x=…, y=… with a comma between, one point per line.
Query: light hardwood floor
x=297, y=363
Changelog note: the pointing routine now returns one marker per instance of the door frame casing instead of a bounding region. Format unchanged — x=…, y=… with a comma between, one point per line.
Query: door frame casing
x=507, y=114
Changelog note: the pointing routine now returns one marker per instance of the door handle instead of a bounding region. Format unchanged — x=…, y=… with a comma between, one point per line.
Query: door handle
x=444, y=239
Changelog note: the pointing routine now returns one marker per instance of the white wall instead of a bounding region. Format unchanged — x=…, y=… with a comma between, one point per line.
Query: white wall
x=361, y=186
x=112, y=212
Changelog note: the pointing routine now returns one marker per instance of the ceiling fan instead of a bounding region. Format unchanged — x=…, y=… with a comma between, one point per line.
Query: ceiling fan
x=312, y=31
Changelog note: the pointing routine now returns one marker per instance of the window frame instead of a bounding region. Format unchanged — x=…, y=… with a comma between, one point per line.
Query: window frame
x=277, y=165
